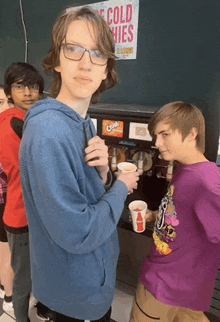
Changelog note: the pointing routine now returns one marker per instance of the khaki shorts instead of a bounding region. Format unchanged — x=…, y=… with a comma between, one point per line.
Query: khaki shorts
x=147, y=309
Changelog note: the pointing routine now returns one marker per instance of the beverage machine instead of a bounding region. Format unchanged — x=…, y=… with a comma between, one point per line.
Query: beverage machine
x=125, y=130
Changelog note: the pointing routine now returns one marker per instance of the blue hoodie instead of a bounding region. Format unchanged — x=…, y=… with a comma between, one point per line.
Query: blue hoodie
x=72, y=219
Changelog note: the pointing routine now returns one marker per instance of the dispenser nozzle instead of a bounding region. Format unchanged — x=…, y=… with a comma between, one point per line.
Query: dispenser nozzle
x=114, y=159
x=140, y=164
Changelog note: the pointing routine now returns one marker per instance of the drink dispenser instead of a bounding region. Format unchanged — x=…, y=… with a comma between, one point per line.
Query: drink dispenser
x=125, y=130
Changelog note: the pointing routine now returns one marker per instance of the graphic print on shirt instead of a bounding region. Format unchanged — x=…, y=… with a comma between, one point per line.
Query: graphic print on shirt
x=164, y=231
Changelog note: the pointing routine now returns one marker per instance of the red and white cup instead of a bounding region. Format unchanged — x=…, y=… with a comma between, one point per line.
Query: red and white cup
x=138, y=210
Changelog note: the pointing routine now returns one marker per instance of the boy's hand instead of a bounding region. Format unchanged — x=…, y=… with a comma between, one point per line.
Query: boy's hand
x=96, y=155
x=151, y=215
x=129, y=179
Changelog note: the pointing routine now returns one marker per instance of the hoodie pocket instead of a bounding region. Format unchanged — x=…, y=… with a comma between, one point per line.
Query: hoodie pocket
x=87, y=271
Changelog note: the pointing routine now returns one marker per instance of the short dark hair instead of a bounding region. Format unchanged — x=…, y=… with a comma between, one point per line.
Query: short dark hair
x=24, y=74
x=105, y=42
x=182, y=116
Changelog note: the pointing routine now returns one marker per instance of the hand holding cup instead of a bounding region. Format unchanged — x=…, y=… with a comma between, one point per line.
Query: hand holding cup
x=127, y=172
x=151, y=215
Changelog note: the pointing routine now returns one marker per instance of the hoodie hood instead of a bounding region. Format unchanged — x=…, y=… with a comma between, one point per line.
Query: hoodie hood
x=12, y=112
x=52, y=104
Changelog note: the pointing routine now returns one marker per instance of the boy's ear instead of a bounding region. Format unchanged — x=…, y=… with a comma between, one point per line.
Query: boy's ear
x=9, y=97
x=193, y=134
x=105, y=74
x=57, y=68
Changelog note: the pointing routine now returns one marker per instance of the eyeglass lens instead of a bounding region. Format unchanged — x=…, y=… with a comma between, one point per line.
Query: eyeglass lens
x=21, y=87
x=74, y=52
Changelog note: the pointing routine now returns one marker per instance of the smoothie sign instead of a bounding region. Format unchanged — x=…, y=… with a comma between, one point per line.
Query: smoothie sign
x=122, y=17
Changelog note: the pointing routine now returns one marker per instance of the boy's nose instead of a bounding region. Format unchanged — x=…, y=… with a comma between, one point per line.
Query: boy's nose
x=27, y=91
x=85, y=62
x=157, y=142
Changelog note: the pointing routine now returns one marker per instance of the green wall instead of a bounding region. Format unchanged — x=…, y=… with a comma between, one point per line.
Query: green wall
x=178, y=54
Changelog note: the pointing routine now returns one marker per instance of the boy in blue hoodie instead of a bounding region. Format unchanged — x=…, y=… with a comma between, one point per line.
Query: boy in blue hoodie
x=72, y=213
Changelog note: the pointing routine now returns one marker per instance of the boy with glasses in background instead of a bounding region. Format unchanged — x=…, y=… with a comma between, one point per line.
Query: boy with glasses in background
x=23, y=87
x=72, y=210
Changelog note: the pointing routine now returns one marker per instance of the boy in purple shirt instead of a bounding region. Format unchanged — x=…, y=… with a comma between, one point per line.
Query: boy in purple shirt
x=177, y=279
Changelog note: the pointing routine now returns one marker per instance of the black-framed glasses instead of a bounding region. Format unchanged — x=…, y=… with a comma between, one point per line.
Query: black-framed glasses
x=76, y=52
x=19, y=88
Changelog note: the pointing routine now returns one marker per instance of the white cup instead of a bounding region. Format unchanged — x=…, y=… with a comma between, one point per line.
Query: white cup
x=138, y=210
x=126, y=167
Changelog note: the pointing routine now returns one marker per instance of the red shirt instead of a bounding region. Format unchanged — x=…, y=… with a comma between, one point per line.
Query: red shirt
x=14, y=215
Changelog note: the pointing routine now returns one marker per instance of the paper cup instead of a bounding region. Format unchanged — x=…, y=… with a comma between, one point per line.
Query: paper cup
x=138, y=209
x=126, y=167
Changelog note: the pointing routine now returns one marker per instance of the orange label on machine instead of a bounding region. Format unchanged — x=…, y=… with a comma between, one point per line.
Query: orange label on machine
x=113, y=128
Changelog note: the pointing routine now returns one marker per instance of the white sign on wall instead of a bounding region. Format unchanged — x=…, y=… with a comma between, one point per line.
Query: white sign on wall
x=122, y=17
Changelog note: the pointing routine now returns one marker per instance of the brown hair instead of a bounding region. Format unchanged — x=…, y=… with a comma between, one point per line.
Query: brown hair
x=105, y=43
x=182, y=116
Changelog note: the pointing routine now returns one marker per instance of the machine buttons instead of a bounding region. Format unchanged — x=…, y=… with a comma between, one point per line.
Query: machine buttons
x=139, y=131
x=113, y=128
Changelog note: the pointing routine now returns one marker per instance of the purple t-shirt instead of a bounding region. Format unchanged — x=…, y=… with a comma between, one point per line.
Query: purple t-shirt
x=183, y=263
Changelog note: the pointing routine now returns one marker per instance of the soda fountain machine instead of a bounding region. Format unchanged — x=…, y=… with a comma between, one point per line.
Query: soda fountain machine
x=125, y=131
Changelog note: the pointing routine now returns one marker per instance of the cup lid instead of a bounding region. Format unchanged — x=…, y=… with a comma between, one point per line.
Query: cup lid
x=137, y=203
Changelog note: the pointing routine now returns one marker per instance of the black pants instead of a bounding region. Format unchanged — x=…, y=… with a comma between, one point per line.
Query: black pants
x=58, y=317
x=20, y=263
